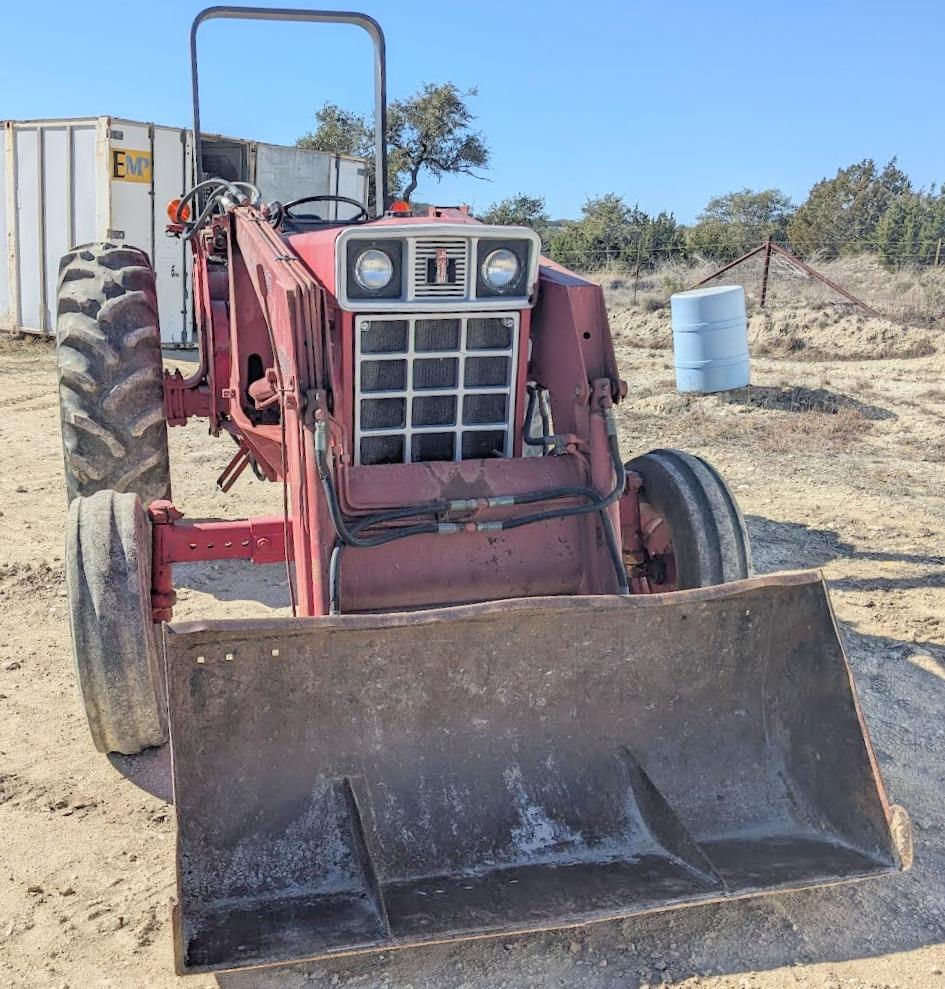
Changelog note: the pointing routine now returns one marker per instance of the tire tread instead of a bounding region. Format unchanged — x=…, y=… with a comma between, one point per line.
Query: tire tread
x=108, y=579
x=111, y=390
x=710, y=539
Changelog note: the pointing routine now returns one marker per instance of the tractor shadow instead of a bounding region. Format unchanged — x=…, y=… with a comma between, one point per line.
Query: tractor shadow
x=793, y=545
x=150, y=770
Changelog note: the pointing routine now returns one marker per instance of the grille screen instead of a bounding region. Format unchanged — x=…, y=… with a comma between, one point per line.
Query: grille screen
x=388, y=337
x=439, y=268
x=435, y=388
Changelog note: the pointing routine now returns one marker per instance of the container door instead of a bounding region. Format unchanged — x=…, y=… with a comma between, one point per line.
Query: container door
x=170, y=253
x=289, y=173
x=57, y=200
x=88, y=186
x=7, y=322
x=52, y=207
x=350, y=178
x=130, y=168
x=27, y=218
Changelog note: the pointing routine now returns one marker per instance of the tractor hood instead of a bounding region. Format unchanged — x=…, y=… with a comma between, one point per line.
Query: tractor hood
x=436, y=262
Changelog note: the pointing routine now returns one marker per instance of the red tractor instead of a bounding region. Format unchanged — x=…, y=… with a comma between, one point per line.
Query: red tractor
x=526, y=685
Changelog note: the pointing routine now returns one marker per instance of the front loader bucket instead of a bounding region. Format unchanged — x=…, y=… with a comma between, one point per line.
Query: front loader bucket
x=373, y=781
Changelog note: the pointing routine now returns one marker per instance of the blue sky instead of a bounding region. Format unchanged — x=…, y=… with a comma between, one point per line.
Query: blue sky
x=665, y=103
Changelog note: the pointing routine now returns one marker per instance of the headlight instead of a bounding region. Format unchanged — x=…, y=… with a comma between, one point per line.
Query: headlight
x=373, y=270
x=500, y=269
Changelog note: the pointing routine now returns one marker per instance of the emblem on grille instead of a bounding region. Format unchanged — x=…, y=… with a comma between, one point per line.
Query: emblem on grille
x=442, y=266
x=441, y=269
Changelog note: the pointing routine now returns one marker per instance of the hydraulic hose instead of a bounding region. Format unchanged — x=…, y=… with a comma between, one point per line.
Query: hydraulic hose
x=220, y=188
x=347, y=532
x=547, y=441
x=334, y=564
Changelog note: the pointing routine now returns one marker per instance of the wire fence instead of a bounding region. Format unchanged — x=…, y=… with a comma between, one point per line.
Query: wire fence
x=627, y=255
x=913, y=295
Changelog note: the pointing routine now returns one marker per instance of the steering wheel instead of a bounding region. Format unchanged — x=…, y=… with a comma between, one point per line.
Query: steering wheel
x=362, y=213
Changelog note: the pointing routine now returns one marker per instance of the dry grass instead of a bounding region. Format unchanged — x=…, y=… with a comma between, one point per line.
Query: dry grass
x=788, y=326
x=784, y=420
x=840, y=333
x=934, y=452
x=809, y=431
x=911, y=295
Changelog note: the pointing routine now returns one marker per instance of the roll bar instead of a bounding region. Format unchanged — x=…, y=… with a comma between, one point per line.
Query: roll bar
x=312, y=16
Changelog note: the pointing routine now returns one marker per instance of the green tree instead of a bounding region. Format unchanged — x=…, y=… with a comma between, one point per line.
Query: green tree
x=429, y=131
x=432, y=130
x=518, y=211
x=663, y=238
x=911, y=228
x=841, y=214
x=731, y=225
x=611, y=231
x=608, y=231
x=339, y=132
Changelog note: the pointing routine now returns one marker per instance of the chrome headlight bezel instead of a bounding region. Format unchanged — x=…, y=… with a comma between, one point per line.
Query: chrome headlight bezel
x=486, y=247
x=500, y=268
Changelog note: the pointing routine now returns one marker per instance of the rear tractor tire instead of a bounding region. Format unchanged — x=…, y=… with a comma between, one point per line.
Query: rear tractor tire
x=108, y=577
x=693, y=530
x=111, y=390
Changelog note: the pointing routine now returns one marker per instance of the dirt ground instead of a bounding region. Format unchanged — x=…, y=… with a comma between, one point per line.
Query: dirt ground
x=838, y=463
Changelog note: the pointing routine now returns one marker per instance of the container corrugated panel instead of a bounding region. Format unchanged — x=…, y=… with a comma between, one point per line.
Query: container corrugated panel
x=5, y=244
x=69, y=182
x=710, y=339
x=297, y=172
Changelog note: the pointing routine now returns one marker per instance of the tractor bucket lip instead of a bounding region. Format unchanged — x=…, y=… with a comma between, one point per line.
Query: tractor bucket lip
x=182, y=968
x=897, y=818
x=424, y=616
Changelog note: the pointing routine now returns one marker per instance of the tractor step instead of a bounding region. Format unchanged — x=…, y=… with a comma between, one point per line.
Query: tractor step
x=366, y=782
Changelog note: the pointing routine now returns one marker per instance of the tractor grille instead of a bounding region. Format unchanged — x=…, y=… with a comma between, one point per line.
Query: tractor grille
x=439, y=268
x=435, y=388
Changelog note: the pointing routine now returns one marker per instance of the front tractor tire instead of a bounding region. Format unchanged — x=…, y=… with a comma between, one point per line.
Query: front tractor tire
x=108, y=578
x=111, y=390
x=692, y=527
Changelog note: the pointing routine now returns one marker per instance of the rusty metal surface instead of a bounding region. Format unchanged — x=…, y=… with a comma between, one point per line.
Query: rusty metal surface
x=769, y=248
x=813, y=273
x=373, y=781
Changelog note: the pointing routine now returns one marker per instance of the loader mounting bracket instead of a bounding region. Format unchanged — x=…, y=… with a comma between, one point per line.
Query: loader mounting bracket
x=260, y=540
x=184, y=398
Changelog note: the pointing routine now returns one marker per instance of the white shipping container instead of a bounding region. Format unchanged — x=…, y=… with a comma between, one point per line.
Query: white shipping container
x=69, y=182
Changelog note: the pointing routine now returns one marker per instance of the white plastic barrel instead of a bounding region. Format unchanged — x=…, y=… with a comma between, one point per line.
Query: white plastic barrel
x=710, y=339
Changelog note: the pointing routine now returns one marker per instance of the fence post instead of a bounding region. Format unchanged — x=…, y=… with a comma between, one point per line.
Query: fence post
x=764, y=272
x=938, y=252
x=636, y=273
